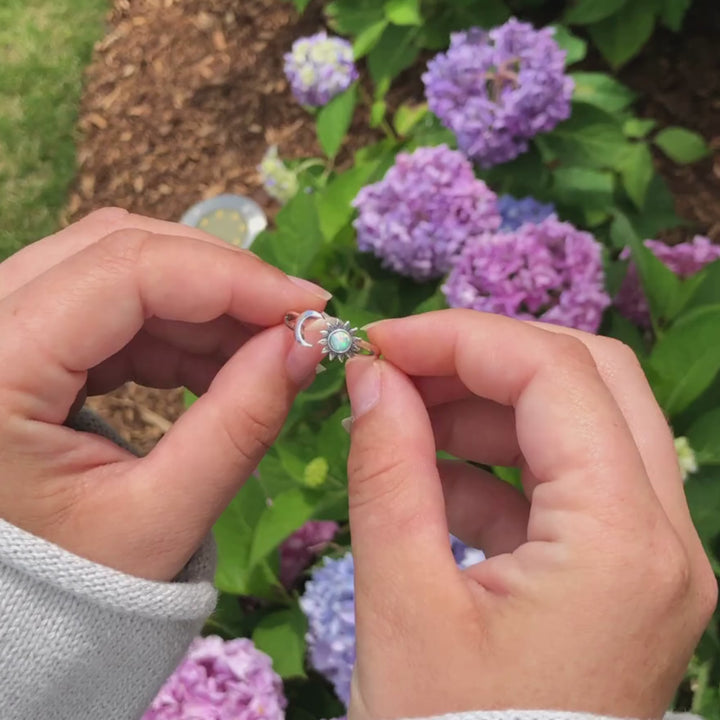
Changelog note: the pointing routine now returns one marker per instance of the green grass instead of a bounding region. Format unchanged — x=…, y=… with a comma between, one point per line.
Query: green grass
x=44, y=47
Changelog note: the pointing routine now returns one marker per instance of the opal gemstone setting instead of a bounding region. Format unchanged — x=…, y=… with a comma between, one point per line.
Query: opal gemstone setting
x=339, y=341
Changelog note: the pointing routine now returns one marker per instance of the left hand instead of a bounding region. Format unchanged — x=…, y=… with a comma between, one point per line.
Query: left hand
x=119, y=297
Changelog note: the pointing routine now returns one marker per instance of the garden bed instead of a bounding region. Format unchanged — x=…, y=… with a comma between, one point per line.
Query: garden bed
x=184, y=96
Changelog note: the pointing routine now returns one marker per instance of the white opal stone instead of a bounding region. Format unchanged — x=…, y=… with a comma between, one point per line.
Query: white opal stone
x=339, y=341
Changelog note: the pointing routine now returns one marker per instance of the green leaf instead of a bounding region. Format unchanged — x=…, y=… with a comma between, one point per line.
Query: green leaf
x=583, y=187
x=638, y=127
x=368, y=38
x=234, y=533
x=590, y=138
x=620, y=37
x=188, y=398
x=681, y=145
x=333, y=204
x=703, y=496
x=281, y=635
x=601, y=90
x=377, y=113
x=575, y=48
x=708, y=290
x=637, y=172
x=297, y=240
x=704, y=438
x=687, y=358
x=658, y=212
x=334, y=120
x=408, y=116
x=352, y=17
x=396, y=50
x=583, y=12
x=289, y=511
x=403, y=12
x=673, y=13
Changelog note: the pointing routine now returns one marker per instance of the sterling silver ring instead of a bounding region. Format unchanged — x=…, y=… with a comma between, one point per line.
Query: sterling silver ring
x=339, y=341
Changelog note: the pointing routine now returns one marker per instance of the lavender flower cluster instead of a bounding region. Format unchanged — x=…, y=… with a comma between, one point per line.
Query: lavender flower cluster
x=497, y=89
x=298, y=550
x=319, y=67
x=516, y=212
x=329, y=604
x=418, y=217
x=218, y=680
x=684, y=259
x=550, y=271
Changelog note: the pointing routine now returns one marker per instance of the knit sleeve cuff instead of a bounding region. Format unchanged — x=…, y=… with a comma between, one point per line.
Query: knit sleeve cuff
x=86, y=641
x=541, y=715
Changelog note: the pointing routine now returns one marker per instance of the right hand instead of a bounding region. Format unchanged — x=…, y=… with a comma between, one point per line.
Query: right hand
x=596, y=589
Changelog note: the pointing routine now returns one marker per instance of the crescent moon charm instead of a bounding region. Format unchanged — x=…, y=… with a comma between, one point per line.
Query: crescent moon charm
x=339, y=341
x=307, y=315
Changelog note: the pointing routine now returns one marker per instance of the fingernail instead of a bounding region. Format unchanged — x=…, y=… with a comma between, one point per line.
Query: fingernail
x=364, y=390
x=372, y=324
x=310, y=287
x=347, y=424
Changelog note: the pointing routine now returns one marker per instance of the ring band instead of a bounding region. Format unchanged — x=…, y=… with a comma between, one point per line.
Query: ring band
x=338, y=340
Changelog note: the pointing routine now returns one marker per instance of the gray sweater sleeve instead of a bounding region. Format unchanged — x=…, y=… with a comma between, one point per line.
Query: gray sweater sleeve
x=79, y=641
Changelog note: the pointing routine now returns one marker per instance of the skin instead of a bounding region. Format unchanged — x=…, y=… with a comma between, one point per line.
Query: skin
x=119, y=297
x=596, y=589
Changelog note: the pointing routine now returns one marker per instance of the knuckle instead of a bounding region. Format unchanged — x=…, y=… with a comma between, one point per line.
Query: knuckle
x=371, y=480
x=250, y=435
x=706, y=590
x=109, y=218
x=122, y=248
x=620, y=355
x=668, y=570
x=570, y=350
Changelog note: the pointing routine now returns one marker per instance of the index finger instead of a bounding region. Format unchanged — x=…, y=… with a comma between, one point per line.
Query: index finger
x=89, y=306
x=571, y=432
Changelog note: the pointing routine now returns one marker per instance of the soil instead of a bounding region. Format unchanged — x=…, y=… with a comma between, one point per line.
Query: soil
x=183, y=97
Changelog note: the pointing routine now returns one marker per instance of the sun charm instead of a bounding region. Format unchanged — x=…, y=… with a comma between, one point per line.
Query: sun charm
x=339, y=340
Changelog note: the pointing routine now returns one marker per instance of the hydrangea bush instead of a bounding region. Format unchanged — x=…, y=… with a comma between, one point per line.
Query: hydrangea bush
x=515, y=184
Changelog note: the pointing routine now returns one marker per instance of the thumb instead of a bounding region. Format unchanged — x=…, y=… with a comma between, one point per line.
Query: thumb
x=397, y=514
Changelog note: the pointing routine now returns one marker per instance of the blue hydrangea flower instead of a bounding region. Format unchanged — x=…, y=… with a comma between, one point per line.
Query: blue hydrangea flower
x=550, y=271
x=515, y=212
x=495, y=90
x=329, y=604
x=418, y=217
x=320, y=67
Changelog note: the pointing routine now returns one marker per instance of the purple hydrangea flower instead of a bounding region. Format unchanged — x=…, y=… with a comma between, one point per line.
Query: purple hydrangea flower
x=329, y=604
x=550, y=271
x=684, y=259
x=298, y=550
x=320, y=67
x=418, y=217
x=218, y=680
x=495, y=90
x=516, y=212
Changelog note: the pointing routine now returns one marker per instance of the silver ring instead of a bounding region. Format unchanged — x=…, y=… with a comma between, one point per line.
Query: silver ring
x=339, y=341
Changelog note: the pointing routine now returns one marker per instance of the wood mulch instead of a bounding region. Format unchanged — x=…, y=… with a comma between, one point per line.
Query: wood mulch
x=183, y=97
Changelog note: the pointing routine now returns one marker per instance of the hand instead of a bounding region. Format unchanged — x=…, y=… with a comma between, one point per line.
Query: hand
x=119, y=297
x=596, y=589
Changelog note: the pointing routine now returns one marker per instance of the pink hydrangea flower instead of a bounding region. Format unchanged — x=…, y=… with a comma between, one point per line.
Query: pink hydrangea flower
x=684, y=259
x=221, y=680
x=299, y=549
